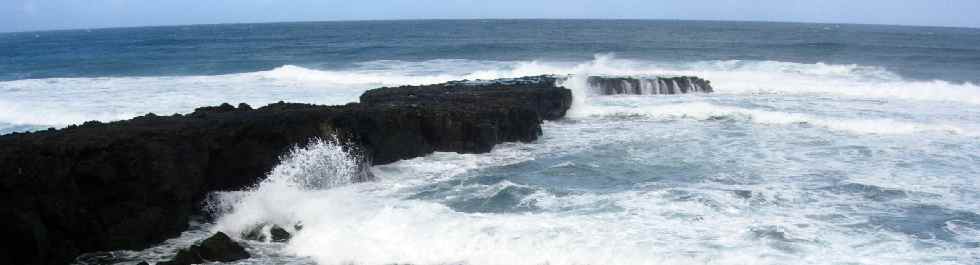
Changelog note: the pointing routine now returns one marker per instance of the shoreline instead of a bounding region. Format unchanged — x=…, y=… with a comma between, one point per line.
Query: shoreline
x=131, y=184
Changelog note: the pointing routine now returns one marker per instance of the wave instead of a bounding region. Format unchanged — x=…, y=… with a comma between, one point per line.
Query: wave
x=729, y=77
x=63, y=101
x=753, y=77
x=319, y=165
x=382, y=223
x=708, y=111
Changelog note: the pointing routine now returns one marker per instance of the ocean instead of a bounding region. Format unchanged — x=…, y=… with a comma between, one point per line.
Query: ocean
x=822, y=143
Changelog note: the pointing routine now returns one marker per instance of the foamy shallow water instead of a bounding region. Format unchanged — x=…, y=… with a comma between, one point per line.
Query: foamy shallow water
x=787, y=163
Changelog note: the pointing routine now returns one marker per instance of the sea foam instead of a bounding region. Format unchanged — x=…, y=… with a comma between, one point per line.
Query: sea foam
x=59, y=102
x=387, y=222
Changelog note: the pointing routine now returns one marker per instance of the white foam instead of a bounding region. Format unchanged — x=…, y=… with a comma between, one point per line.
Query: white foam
x=64, y=101
x=367, y=224
x=705, y=111
x=704, y=223
x=321, y=164
x=379, y=223
x=750, y=77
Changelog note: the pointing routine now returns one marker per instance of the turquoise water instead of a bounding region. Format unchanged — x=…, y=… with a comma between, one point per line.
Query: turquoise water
x=823, y=144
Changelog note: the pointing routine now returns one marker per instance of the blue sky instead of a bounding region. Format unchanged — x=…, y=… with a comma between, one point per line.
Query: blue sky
x=25, y=15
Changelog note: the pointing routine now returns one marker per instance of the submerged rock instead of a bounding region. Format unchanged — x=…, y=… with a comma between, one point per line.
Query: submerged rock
x=279, y=234
x=218, y=247
x=185, y=257
x=268, y=233
x=131, y=184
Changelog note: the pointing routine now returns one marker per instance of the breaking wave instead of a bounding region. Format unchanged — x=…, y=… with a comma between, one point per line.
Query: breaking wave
x=304, y=170
x=624, y=180
x=709, y=111
x=59, y=102
x=74, y=100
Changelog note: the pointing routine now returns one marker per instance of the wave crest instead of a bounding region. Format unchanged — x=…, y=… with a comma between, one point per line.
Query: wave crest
x=63, y=101
x=708, y=111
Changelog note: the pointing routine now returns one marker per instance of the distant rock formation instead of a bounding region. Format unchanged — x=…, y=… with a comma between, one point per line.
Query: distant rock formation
x=610, y=85
x=131, y=184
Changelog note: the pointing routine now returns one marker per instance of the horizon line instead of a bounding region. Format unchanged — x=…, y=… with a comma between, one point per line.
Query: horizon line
x=476, y=19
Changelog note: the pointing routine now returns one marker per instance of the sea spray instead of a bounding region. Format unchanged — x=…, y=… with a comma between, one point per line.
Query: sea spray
x=867, y=158
x=319, y=165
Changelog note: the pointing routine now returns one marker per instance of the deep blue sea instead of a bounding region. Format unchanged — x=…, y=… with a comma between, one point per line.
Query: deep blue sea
x=822, y=144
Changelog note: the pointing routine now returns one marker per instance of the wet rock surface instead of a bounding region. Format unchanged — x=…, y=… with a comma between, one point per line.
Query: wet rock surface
x=269, y=233
x=131, y=184
x=218, y=247
x=612, y=85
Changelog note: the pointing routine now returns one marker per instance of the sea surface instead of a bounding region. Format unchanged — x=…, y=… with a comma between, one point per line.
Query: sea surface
x=822, y=144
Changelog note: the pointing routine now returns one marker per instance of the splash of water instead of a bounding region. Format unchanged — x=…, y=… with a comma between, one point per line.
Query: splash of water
x=319, y=165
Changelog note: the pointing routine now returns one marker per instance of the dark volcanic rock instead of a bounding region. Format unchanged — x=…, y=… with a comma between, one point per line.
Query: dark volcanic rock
x=436, y=112
x=275, y=234
x=279, y=234
x=185, y=257
x=606, y=85
x=534, y=93
x=131, y=184
x=220, y=247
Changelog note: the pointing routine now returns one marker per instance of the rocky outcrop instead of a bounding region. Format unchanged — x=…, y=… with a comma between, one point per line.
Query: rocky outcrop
x=269, y=233
x=219, y=247
x=611, y=85
x=131, y=184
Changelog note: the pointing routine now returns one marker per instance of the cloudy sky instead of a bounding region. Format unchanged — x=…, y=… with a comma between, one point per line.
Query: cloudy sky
x=26, y=15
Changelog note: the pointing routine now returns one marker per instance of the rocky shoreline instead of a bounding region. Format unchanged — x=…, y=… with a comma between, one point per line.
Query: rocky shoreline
x=131, y=184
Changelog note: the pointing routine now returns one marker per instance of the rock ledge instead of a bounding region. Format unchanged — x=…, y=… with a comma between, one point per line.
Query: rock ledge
x=134, y=183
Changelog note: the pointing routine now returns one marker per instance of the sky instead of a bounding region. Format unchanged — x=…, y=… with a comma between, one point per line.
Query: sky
x=30, y=15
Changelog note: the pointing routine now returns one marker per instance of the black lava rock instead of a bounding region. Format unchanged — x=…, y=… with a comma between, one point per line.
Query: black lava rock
x=131, y=184
x=220, y=247
x=185, y=257
x=616, y=85
x=276, y=234
x=279, y=234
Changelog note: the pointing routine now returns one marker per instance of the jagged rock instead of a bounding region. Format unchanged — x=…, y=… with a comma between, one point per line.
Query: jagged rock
x=143, y=263
x=279, y=234
x=185, y=257
x=131, y=184
x=218, y=247
x=243, y=106
x=266, y=233
x=612, y=85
